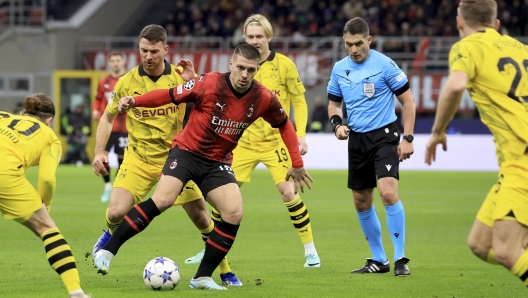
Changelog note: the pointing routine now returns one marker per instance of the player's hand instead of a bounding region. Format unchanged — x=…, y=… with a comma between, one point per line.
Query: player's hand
x=405, y=150
x=187, y=73
x=100, y=159
x=300, y=176
x=342, y=132
x=96, y=115
x=303, y=147
x=430, y=148
x=125, y=103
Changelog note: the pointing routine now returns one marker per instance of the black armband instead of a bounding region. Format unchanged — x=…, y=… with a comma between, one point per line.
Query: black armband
x=402, y=89
x=335, y=121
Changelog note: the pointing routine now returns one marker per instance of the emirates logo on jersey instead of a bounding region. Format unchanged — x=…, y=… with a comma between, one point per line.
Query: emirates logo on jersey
x=173, y=164
x=229, y=127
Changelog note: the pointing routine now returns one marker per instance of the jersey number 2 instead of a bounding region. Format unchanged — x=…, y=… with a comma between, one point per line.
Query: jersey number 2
x=27, y=132
x=518, y=74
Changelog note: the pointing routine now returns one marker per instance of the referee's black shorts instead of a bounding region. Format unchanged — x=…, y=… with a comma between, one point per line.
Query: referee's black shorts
x=371, y=154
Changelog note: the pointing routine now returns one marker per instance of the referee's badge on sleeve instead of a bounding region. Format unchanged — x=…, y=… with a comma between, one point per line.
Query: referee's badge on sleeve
x=369, y=89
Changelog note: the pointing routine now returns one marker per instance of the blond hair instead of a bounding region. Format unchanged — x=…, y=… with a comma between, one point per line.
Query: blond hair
x=259, y=20
x=478, y=13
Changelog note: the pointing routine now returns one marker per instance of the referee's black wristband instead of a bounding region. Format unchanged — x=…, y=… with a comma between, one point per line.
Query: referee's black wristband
x=335, y=121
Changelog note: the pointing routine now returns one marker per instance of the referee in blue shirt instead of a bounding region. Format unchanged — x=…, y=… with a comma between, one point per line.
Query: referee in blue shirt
x=367, y=81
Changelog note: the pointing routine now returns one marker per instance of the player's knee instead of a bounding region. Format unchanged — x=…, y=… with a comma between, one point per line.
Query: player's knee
x=389, y=196
x=288, y=196
x=503, y=255
x=163, y=202
x=116, y=214
x=233, y=215
x=478, y=248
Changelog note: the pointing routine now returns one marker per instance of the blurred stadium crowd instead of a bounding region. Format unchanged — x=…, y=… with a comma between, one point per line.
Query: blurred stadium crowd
x=313, y=18
x=305, y=18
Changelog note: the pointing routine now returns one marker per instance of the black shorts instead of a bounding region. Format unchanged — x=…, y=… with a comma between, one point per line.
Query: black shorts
x=371, y=154
x=208, y=174
x=118, y=140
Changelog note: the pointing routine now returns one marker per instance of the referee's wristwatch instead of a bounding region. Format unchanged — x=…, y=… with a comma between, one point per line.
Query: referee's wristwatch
x=408, y=138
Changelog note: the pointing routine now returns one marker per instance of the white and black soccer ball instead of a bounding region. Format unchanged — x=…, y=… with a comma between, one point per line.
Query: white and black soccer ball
x=161, y=274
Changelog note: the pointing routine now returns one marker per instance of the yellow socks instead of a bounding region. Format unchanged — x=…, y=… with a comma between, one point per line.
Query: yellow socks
x=111, y=225
x=521, y=268
x=61, y=259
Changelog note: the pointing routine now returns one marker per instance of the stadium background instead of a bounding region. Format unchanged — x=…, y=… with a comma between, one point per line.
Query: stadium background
x=59, y=47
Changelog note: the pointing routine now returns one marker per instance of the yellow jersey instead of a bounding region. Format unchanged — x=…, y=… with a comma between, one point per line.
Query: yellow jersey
x=150, y=130
x=498, y=83
x=279, y=74
x=25, y=141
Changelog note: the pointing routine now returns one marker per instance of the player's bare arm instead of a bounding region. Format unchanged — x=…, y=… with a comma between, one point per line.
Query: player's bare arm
x=447, y=106
x=406, y=148
x=335, y=112
x=104, y=128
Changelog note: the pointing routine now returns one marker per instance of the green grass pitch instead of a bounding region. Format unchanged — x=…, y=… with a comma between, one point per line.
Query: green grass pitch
x=440, y=208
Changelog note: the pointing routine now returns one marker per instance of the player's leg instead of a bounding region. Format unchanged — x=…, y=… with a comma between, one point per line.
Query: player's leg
x=510, y=216
x=222, y=192
x=481, y=234
x=278, y=161
x=133, y=182
x=58, y=252
x=362, y=180
x=138, y=219
x=386, y=164
x=20, y=201
x=193, y=203
x=510, y=240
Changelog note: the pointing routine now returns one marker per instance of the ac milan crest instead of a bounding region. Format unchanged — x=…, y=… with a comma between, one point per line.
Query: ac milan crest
x=173, y=164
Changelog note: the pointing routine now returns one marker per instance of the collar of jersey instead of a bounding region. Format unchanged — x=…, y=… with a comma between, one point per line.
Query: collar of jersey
x=270, y=57
x=238, y=95
x=167, y=70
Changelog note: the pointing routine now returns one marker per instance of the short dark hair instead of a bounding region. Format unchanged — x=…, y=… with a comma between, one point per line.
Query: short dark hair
x=115, y=53
x=155, y=33
x=39, y=105
x=356, y=26
x=247, y=51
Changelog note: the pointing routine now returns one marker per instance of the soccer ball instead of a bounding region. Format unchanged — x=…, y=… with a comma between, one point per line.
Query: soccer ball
x=161, y=274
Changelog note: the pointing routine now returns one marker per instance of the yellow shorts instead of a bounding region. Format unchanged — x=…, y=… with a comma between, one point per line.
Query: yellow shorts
x=18, y=198
x=139, y=178
x=276, y=159
x=508, y=198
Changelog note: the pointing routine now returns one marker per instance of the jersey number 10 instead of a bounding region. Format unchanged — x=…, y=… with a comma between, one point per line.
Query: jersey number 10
x=517, y=79
x=26, y=132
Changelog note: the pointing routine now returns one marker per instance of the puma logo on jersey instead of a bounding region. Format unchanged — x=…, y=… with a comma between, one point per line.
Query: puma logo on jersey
x=251, y=110
x=221, y=106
